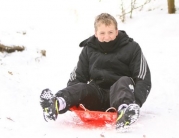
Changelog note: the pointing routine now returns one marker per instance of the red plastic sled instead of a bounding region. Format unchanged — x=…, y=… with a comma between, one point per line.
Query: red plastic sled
x=97, y=118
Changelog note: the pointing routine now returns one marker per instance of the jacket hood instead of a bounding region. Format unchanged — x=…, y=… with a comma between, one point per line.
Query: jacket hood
x=106, y=47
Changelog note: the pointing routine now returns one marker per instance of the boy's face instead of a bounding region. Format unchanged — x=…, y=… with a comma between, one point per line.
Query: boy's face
x=106, y=33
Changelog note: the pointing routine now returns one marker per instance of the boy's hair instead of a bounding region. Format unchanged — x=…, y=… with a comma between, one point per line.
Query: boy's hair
x=106, y=19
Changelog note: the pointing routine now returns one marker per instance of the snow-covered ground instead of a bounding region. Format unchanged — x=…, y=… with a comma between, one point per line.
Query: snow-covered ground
x=58, y=27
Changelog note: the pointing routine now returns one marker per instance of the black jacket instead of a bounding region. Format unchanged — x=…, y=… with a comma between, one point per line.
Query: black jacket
x=106, y=65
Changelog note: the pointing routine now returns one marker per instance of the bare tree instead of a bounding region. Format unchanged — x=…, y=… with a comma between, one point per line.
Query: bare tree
x=122, y=17
x=171, y=6
x=133, y=7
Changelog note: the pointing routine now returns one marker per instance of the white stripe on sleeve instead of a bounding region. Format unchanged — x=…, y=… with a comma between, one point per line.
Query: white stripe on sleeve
x=143, y=67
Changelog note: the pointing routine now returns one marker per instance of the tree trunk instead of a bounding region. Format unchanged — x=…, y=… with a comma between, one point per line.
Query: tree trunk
x=171, y=6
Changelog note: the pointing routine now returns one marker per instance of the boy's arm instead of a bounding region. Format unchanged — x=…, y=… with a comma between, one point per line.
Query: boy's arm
x=141, y=76
x=80, y=72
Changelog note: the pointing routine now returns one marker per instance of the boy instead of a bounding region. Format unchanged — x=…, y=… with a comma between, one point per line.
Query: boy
x=111, y=72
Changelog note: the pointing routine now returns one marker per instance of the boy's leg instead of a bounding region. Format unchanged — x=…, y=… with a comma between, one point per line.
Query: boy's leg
x=122, y=98
x=86, y=94
x=122, y=92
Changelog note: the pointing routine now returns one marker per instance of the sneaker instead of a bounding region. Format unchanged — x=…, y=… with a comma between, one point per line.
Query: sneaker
x=127, y=115
x=49, y=104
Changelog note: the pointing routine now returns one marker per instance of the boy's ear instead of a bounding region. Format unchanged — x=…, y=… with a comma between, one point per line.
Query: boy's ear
x=117, y=32
x=95, y=33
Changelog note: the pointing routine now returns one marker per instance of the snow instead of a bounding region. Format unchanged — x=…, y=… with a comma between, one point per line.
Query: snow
x=58, y=27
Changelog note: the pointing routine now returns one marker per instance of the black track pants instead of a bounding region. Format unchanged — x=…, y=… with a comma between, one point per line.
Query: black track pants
x=122, y=92
x=95, y=98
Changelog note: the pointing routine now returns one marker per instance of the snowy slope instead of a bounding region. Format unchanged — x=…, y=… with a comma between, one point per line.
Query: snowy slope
x=49, y=25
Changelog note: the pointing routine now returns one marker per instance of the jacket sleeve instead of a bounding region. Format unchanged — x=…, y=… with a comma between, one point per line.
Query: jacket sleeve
x=141, y=75
x=81, y=71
